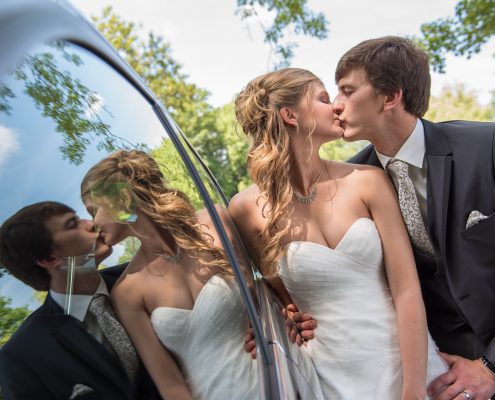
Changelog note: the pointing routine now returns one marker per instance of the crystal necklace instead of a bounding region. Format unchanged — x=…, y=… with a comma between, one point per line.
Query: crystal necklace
x=311, y=196
x=174, y=258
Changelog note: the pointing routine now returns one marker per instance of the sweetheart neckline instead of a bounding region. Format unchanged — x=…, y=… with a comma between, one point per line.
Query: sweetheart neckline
x=186, y=310
x=335, y=249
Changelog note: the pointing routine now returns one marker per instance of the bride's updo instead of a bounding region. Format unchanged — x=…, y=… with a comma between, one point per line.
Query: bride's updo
x=257, y=110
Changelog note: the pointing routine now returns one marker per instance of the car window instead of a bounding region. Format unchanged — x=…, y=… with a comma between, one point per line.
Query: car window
x=62, y=111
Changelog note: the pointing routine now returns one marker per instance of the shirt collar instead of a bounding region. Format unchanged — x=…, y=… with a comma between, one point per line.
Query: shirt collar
x=413, y=149
x=80, y=302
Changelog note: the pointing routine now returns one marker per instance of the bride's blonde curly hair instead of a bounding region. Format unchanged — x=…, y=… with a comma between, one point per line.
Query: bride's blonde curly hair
x=132, y=179
x=269, y=159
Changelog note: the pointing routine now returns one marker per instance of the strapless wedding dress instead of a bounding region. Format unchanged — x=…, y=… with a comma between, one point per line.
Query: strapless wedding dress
x=356, y=349
x=208, y=341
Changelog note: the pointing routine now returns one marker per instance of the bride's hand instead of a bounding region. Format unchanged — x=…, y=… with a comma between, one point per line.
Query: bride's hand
x=250, y=343
x=300, y=325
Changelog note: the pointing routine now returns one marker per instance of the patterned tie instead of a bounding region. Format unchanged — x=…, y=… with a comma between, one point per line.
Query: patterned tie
x=113, y=333
x=409, y=206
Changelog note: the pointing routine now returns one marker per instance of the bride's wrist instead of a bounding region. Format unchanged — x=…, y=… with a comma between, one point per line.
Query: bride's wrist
x=414, y=392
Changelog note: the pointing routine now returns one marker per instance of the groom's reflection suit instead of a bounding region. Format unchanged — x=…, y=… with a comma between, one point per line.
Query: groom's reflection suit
x=52, y=355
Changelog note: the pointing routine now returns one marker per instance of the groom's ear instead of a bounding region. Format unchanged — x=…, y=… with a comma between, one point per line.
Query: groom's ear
x=392, y=100
x=288, y=116
x=50, y=263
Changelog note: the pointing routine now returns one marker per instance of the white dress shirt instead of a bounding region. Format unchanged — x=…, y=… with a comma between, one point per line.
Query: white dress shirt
x=80, y=302
x=413, y=153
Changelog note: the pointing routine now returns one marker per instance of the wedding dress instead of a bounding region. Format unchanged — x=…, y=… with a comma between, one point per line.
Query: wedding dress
x=208, y=341
x=356, y=349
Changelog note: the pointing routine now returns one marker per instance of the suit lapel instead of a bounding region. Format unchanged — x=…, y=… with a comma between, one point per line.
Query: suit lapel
x=373, y=160
x=74, y=338
x=70, y=334
x=439, y=161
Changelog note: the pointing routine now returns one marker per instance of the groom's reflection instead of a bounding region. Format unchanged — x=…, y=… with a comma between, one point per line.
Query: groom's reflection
x=53, y=355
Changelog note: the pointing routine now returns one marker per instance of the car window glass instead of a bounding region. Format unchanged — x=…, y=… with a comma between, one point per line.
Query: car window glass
x=63, y=110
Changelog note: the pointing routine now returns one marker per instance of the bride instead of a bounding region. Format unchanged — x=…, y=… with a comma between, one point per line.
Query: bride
x=333, y=242
x=177, y=298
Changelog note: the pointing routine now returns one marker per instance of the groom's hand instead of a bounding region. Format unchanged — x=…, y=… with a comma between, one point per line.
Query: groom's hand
x=300, y=325
x=465, y=379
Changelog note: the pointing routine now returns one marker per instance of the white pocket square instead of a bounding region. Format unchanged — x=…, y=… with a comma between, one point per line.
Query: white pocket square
x=80, y=389
x=474, y=217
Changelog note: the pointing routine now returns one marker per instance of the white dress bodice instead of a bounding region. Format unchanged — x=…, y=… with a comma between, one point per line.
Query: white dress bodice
x=207, y=342
x=356, y=349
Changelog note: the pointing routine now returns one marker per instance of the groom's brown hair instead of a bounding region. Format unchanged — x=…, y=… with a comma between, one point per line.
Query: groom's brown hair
x=392, y=63
x=25, y=239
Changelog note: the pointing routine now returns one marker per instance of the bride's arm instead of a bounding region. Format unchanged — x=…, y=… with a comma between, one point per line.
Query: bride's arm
x=158, y=361
x=245, y=213
x=381, y=200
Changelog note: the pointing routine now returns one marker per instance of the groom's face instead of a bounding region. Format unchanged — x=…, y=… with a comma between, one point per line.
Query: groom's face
x=359, y=106
x=73, y=237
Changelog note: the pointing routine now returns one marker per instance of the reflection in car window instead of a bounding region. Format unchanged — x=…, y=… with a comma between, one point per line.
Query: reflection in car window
x=62, y=110
x=178, y=294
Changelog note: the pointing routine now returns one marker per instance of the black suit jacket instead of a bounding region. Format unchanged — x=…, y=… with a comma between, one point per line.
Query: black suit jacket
x=51, y=352
x=459, y=284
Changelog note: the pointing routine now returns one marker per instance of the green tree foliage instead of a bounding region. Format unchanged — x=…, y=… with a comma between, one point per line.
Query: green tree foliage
x=187, y=103
x=63, y=98
x=339, y=150
x=290, y=17
x=235, y=176
x=151, y=58
x=5, y=95
x=457, y=102
x=10, y=319
x=39, y=296
x=175, y=172
x=463, y=34
x=131, y=246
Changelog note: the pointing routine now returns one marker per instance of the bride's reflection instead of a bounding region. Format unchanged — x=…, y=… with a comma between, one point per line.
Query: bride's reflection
x=177, y=298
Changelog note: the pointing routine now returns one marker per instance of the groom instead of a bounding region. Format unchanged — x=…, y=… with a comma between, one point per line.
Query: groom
x=444, y=176
x=86, y=354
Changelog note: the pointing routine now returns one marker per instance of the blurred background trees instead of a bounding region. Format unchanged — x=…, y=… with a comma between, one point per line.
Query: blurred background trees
x=11, y=319
x=458, y=102
x=472, y=25
x=292, y=17
x=214, y=132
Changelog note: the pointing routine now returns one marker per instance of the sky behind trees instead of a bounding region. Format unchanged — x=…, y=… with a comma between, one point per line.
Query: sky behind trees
x=221, y=53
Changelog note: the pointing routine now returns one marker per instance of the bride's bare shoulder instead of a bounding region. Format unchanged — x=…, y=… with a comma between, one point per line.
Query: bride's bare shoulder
x=246, y=200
